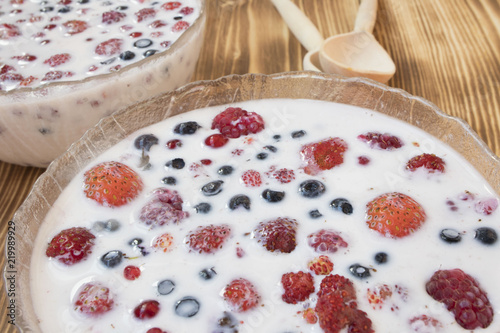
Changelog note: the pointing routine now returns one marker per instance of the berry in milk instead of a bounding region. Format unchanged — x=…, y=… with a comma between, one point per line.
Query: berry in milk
x=286, y=222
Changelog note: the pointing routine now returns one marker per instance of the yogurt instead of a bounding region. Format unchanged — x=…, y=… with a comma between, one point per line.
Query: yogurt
x=453, y=199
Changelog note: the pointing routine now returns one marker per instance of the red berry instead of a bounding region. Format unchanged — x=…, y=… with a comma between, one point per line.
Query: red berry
x=321, y=265
x=216, y=140
x=377, y=140
x=332, y=313
x=363, y=160
x=52, y=76
x=462, y=296
x=394, y=215
x=208, y=239
x=11, y=77
x=186, y=10
x=175, y=143
x=326, y=241
x=110, y=47
x=27, y=81
x=112, y=184
x=284, y=175
x=49, y=26
x=156, y=330
x=74, y=27
x=297, y=287
x=112, y=17
x=6, y=68
x=131, y=272
x=430, y=162
x=240, y=295
x=135, y=34
x=338, y=284
x=486, y=206
x=147, y=309
x=277, y=235
x=235, y=122
x=171, y=5
x=310, y=316
x=57, y=59
x=378, y=295
x=93, y=299
x=145, y=13
x=180, y=26
x=24, y=57
x=8, y=31
x=323, y=155
x=164, y=242
x=71, y=246
x=157, y=24
x=251, y=178
x=206, y=161
x=424, y=324
x=164, y=208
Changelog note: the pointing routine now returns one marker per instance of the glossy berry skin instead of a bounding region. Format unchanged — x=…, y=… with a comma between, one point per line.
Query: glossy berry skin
x=326, y=241
x=486, y=235
x=216, y=140
x=164, y=208
x=235, y=122
x=430, y=162
x=225, y=170
x=239, y=200
x=240, y=295
x=323, y=155
x=359, y=271
x=381, y=141
x=187, y=307
x=462, y=296
x=203, y=208
x=343, y=205
x=212, y=188
x=297, y=287
x=93, y=299
x=112, y=258
x=273, y=196
x=450, y=236
x=208, y=239
x=131, y=272
x=71, y=246
x=311, y=188
x=187, y=128
x=277, y=235
x=381, y=258
x=147, y=309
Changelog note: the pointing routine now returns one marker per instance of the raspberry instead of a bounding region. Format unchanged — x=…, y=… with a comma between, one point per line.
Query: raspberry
x=208, y=239
x=131, y=272
x=164, y=208
x=425, y=324
x=57, y=59
x=430, y=162
x=8, y=31
x=180, y=26
x=171, y=5
x=216, y=140
x=186, y=10
x=110, y=47
x=112, y=17
x=377, y=140
x=462, y=296
x=323, y=155
x=240, y=295
x=74, y=27
x=363, y=160
x=284, y=175
x=71, y=246
x=297, y=287
x=145, y=13
x=326, y=241
x=277, y=235
x=93, y=299
x=251, y=178
x=147, y=309
x=235, y=122
x=164, y=242
x=321, y=265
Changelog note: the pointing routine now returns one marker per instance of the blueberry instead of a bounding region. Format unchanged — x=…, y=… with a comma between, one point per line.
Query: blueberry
x=315, y=214
x=187, y=307
x=169, y=181
x=142, y=43
x=225, y=170
x=261, y=156
x=227, y=321
x=149, y=53
x=135, y=242
x=145, y=141
x=64, y=9
x=165, y=287
x=83, y=1
x=189, y=127
x=343, y=205
x=178, y=17
x=176, y=163
x=122, y=8
x=109, y=61
x=47, y=9
x=273, y=196
x=127, y=55
x=203, y=207
x=98, y=226
x=486, y=235
x=277, y=137
x=112, y=258
x=272, y=149
x=112, y=225
x=311, y=188
x=450, y=235
x=208, y=273
x=381, y=257
x=212, y=188
x=239, y=200
x=359, y=271
x=298, y=134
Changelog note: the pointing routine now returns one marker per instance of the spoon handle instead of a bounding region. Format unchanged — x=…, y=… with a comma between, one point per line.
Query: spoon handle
x=300, y=25
x=366, y=17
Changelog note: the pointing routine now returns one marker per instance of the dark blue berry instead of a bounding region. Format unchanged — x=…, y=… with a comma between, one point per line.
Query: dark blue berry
x=239, y=200
x=277, y=137
x=112, y=258
x=142, y=43
x=212, y=188
x=298, y=134
x=203, y=207
x=272, y=196
x=187, y=307
x=189, y=127
x=145, y=141
x=225, y=170
x=98, y=226
x=261, y=156
x=208, y=273
x=165, y=287
x=122, y=8
x=109, y=61
x=112, y=225
x=227, y=324
x=149, y=53
x=381, y=257
x=83, y=1
x=359, y=271
x=135, y=242
x=127, y=55
x=450, y=235
x=311, y=188
x=343, y=205
x=47, y=9
x=169, y=181
x=176, y=163
x=486, y=235
x=272, y=149
x=178, y=17
x=315, y=214
x=64, y=9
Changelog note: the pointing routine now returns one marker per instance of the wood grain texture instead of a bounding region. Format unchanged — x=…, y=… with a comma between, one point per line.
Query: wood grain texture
x=447, y=52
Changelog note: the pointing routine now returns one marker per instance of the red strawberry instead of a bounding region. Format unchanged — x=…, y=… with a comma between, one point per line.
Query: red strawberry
x=131, y=272
x=321, y=265
x=360, y=323
x=164, y=208
x=71, y=246
x=110, y=47
x=74, y=27
x=332, y=313
x=112, y=184
x=326, y=241
x=337, y=284
x=145, y=13
x=180, y=26
x=8, y=31
x=112, y=17
x=310, y=316
x=297, y=286
x=277, y=235
x=235, y=122
x=93, y=299
x=425, y=324
x=323, y=155
x=164, y=242
x=157, y=24
x=462, y=296
x=377, y=140
x=251, y=178
x=430, y=162
x=147, y=309
x=171, y=5
x=241, y=295
x=208, y=239
x=378, y=295
x=57, y=59
x=394, y=215
x=284, y=175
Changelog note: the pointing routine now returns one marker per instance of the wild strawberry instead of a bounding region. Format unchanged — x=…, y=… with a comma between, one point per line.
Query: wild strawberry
x=145, y=13
x=131, y=272
x=384, y=141
x=208, y=239
x=52, y=76
x=93, y=299
x=112, y=184
x=110, y=47
x=235, y=122
x=321, y=265
x=171, y=5
x=463, y=297
x=430, y=162
x=394, y=215
x=310, y=316
x=486, y=206
x=297, y=287
x=57, y=59
x=112, y=17
x=186, y=10
x=71, y=246
x=157, y=24
x=147, y=309
x=11, y=77
x=74, y=27
x=164, y=242
x=277, y=235
x=332, y=313
x=424, y=324
x=284, y=175
x=241, y=295
x=360, y=323
x=326, y=241
x=323, y=155
x=27, y=81
x=6, y=68
x=216, y=140
x=164, y=208
x=251, y=178
x=180, y=26
x=337, y=284
x=378, y=295
x=8, y=31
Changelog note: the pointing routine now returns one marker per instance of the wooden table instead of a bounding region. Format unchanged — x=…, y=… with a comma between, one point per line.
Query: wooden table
x=445, y=51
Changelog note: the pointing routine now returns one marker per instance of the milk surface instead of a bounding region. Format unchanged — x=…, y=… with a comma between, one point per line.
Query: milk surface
x=411, y=260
